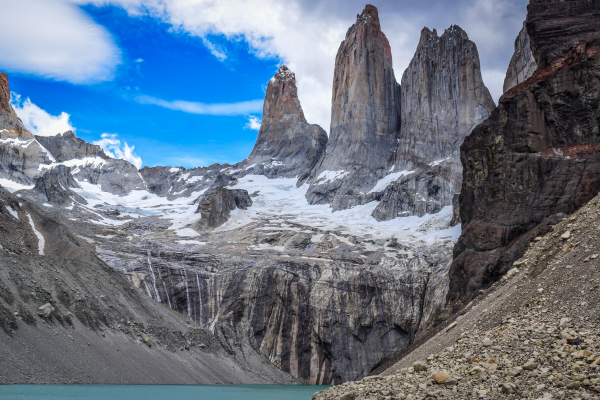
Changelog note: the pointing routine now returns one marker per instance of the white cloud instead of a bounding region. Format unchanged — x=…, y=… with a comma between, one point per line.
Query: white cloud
x=38, y=121
x=139, y=60
x=55, y=39
x=305, y=34
x=113, y=147
x=253, y=123
x=191, y=107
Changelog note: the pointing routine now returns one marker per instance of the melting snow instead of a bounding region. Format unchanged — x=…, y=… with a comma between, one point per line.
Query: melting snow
x=41, y=241
x=12, y=212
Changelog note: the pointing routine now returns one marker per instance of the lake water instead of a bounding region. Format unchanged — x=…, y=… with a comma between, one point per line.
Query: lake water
x=158, y=392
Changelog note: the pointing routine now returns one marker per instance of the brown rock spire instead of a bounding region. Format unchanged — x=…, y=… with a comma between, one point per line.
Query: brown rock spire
x=286, y=146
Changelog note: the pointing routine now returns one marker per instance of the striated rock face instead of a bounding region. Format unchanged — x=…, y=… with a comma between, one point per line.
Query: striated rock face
x=66, y=146
x=538, y=155
x=442, y=99
x=522, y=64
x=365, y=116
x=555, y=26
x=20, y=153
x=216, y=205
x=287, y=146
x=10, y=124
x=54, y=187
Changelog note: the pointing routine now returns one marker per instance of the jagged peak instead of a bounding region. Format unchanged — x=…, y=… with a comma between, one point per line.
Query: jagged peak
x=427, y=36
x=369, y=14
x=284, y=74
x=431, y=36
x=455, y=31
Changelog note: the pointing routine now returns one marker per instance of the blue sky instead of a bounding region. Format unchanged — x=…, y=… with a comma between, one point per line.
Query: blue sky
x=180, y=79
x=167, y=65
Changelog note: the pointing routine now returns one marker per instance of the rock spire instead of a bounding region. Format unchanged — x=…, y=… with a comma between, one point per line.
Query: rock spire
x=365, y=114
x=287, y=146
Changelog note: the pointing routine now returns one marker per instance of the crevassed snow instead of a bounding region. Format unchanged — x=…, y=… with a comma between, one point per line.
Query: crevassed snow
x=328, y=176
x=12, y=212
x=41, y=241
x=386, y=180
x=280, y=199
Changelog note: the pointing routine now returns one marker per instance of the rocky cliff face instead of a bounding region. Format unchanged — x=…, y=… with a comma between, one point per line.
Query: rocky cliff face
x=66, y=146
x=365, y=116
x=10, y=124
x=20, y=153
x=443, y=98
x=537, y=157
x=287, y=146
x=522, y=64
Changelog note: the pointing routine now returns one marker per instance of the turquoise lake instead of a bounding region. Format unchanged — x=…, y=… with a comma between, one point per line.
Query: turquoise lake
x=158, y=392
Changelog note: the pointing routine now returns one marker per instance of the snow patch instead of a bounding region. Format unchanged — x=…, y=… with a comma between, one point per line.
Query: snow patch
x=385, y=181
x=329, y=176
x=12, y=212
x=41, y=241
x=13, y=186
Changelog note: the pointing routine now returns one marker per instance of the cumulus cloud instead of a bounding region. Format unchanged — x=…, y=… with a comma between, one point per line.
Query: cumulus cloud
x=115, y=149
x=55, y=39
x=305, y=34
x=253, y=123
x=191, y=107
x=37, y=120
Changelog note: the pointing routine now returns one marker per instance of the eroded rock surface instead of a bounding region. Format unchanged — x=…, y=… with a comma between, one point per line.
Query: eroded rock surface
x=538, y=155
x=55, y=187
x=287, y=146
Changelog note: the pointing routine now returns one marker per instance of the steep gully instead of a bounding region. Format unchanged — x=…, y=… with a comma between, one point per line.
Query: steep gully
x=328, y=296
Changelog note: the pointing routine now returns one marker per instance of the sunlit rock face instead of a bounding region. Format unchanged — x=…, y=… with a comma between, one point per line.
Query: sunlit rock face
x=365, y=116
x=442, y=99
x=66, y=146
x=537, y=157
x=522, y=64
x=287, y=146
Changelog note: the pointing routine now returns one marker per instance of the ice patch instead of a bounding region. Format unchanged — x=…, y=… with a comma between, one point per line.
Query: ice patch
x=385, y=181
x=41, y=241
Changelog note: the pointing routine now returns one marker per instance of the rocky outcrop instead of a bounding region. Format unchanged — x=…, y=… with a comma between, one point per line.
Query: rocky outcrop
x=66, y=146
x=11, y=125
x=54, y=187
x=216, y=204
x=522, y=64
x=20, y=153
x=538, y=156
x=442, y=99
x=287, y=146
x=365, y=116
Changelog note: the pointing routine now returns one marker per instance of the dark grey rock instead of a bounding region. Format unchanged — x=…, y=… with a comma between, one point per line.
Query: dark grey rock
x=54, y=187
x=216, y=205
